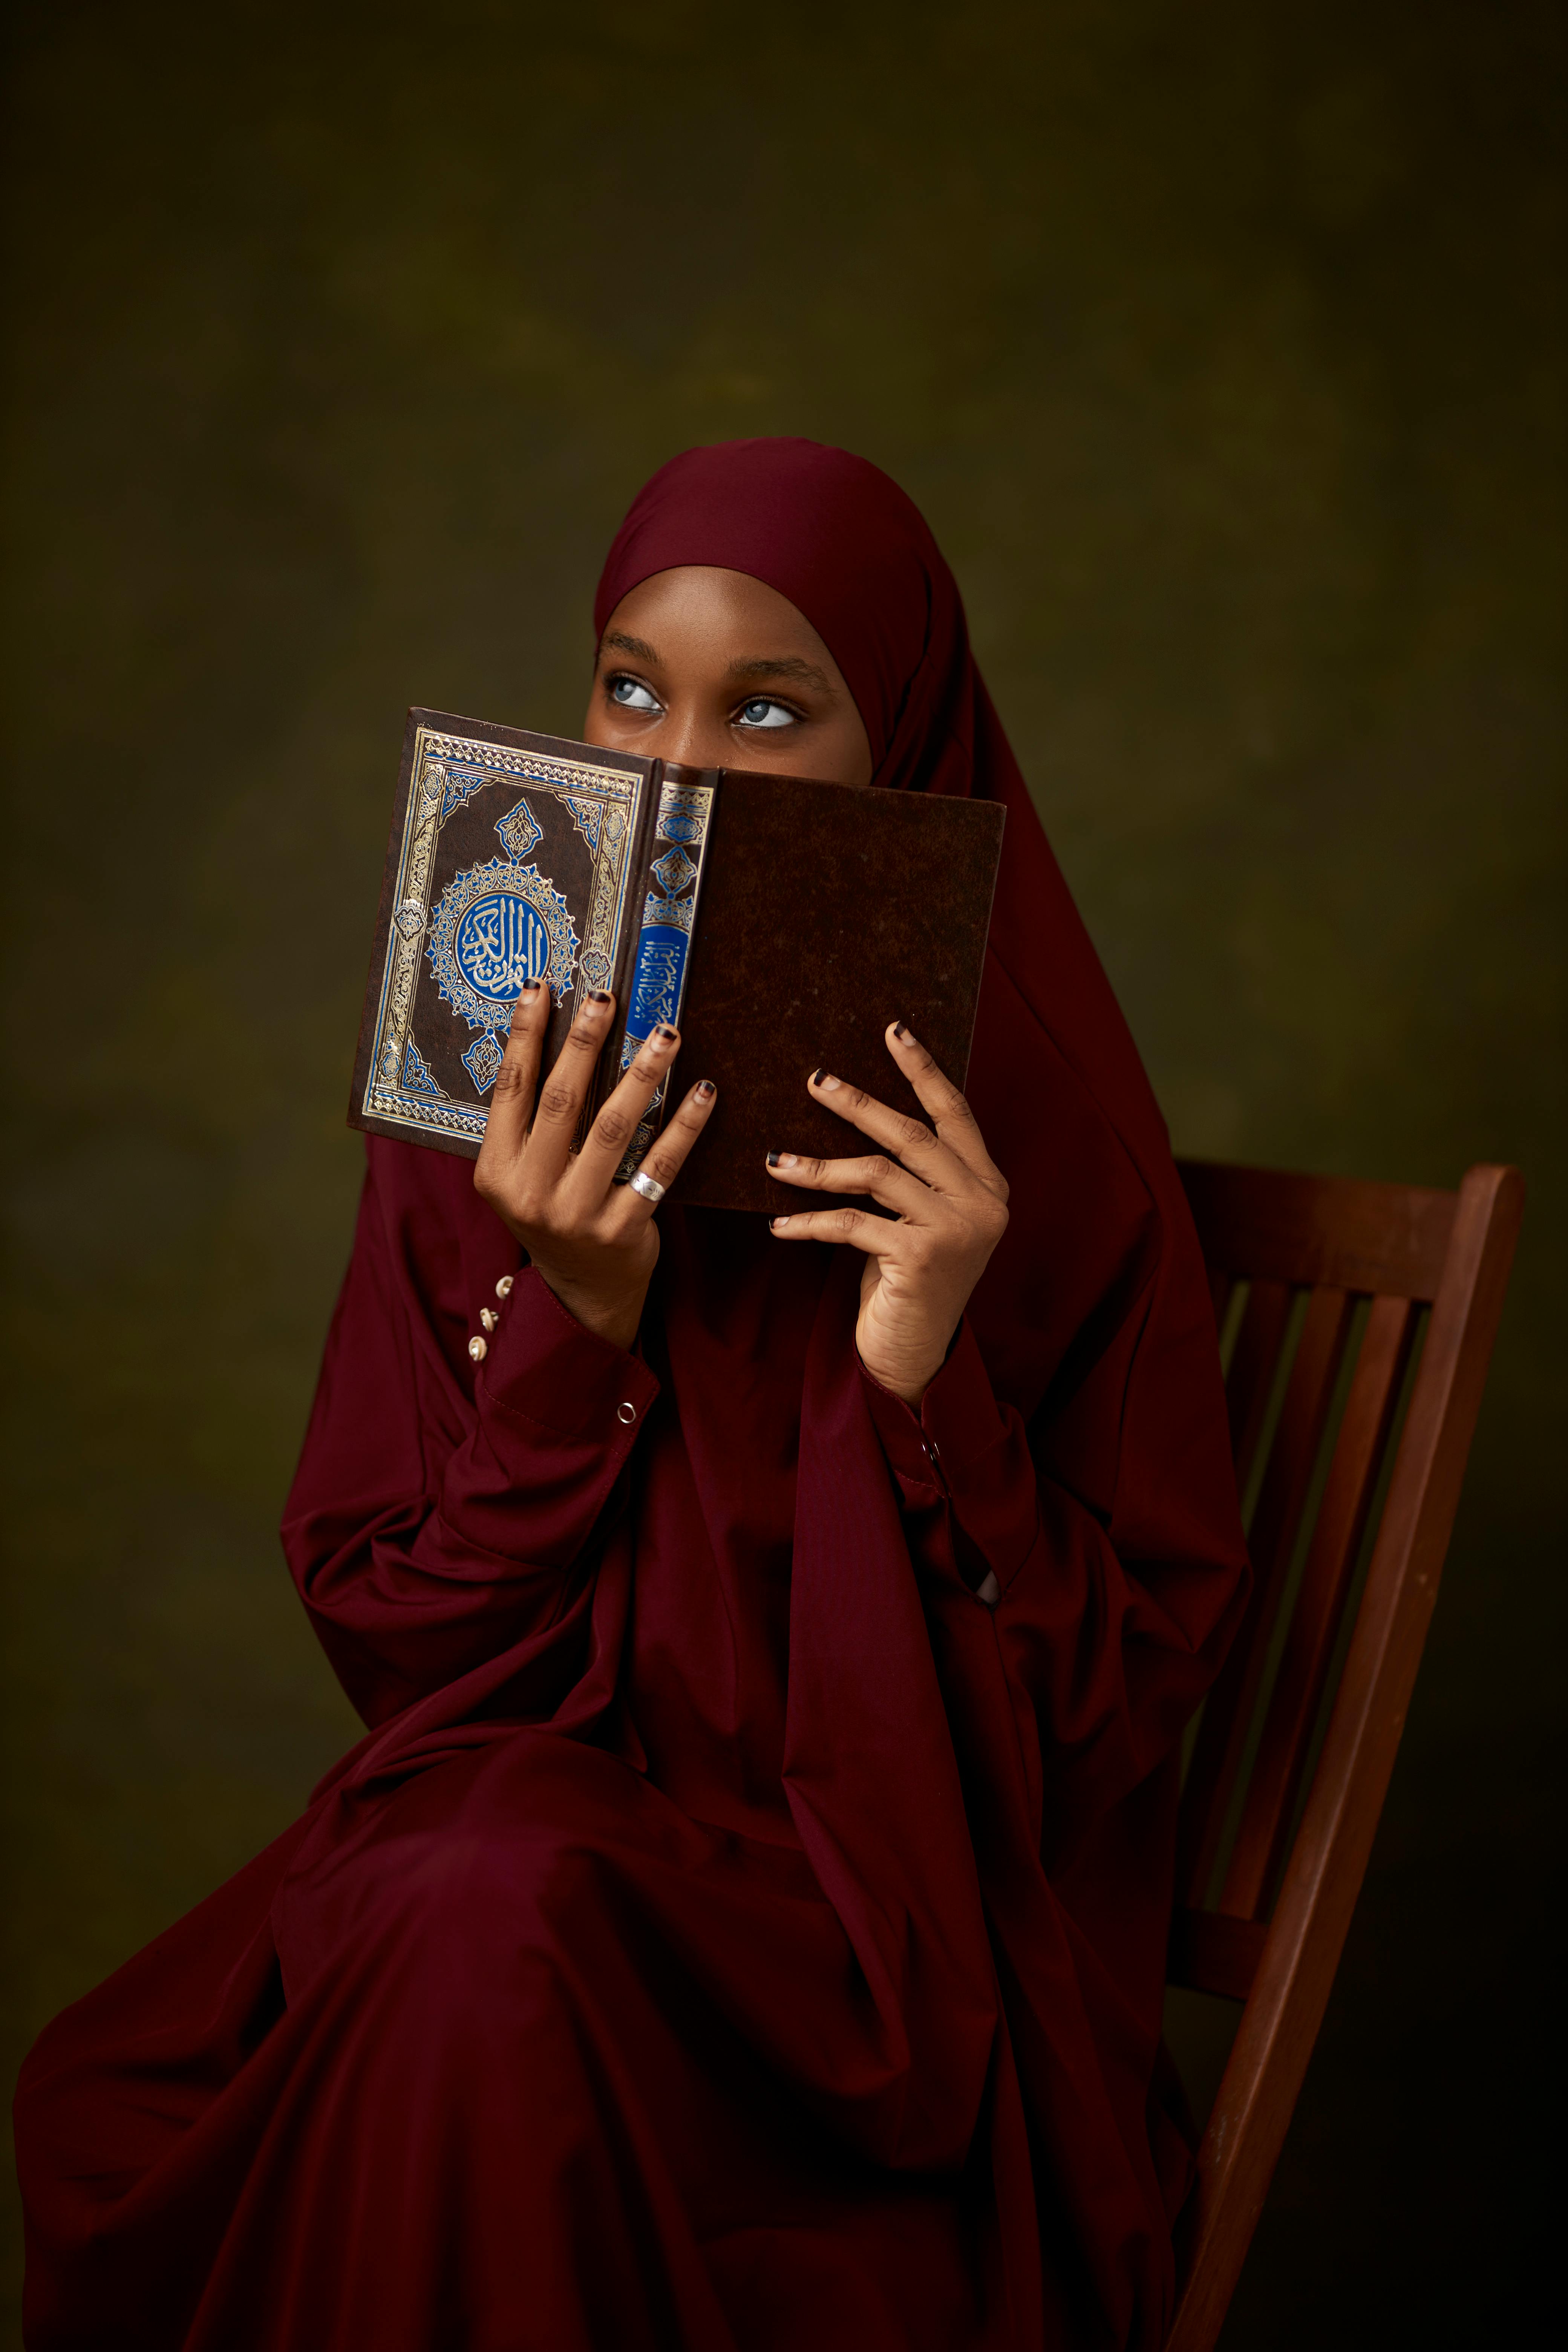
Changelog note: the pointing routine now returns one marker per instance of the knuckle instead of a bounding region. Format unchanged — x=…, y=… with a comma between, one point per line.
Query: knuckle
x=614, y=1127
x=846, y=1219
x=877, y=1169
x=557, y=1102
x=509, y=1081
x=912, y=1134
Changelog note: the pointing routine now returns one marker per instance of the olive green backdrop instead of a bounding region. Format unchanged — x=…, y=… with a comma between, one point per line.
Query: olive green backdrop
x=1220, y=344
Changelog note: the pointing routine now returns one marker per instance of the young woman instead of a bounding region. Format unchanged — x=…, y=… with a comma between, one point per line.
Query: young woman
x=743, y=1927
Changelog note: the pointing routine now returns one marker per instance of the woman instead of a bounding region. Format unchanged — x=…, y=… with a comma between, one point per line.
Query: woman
x=743, y=1927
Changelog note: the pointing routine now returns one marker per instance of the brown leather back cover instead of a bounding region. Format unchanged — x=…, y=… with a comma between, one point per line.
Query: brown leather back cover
x=827, y=911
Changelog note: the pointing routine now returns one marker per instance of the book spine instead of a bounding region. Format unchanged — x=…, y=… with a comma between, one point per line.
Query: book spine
x=670, y=887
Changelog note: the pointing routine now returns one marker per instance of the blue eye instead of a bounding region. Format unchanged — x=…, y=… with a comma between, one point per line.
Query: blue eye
x=630, y=694
x=760, y=712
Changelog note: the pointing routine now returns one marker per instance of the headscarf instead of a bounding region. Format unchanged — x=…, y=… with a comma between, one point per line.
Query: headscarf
x=773, y=1629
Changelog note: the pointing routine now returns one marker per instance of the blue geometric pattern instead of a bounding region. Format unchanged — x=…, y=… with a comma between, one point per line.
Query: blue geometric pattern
x=519, y=830
x=674, y=870
x=585, y=815
x=416, y=1075
x=482, y=1061
x=462, y=784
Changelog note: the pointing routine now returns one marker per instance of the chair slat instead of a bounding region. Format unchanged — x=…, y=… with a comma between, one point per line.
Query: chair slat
x=1250, y=1383
x=1297, y=1690
x=1209, y=1953
x=1227, y=1716
x=1329, y=1851
x=1349, y=1234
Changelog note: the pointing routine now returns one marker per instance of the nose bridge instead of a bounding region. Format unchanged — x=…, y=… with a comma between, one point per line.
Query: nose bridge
x=694, y=733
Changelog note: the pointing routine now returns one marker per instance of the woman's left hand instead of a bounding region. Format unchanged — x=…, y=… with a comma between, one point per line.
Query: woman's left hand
x=950, y=1200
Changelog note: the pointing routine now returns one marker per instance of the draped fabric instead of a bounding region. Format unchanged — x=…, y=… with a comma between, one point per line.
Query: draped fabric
x=732, y=1934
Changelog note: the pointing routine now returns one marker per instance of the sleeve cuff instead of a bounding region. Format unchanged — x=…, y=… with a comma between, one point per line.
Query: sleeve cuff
x=957, y=1423
x=545, y=1370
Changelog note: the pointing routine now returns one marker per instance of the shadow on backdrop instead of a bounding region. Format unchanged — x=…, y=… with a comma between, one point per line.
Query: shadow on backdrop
x=1222, y=346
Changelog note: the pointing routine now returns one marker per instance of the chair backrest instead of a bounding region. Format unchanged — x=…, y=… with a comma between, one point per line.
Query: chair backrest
x=1357, y=1322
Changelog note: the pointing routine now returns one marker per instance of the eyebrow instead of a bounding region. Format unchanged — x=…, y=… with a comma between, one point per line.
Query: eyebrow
x=788, y=666
x=638, y=647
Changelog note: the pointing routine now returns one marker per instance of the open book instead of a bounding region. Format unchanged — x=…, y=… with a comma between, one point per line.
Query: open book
x=779, y=923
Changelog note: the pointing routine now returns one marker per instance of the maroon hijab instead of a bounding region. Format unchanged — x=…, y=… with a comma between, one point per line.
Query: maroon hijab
x=852, y=553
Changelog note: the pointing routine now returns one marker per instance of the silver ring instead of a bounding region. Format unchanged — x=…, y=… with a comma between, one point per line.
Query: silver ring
x=648, y=1186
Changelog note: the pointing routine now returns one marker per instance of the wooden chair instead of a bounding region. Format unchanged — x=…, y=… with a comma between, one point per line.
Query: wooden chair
x=1357, y=1322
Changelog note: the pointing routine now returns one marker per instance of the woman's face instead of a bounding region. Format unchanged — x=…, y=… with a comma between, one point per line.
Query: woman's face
x=717, y=670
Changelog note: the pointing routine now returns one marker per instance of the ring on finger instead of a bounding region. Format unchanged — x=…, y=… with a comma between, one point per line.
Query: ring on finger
x=650, y=1188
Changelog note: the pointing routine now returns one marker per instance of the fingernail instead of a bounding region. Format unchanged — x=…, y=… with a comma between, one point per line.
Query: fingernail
x=705, y=1088
x=777, y=1222
x=781, y=1160
x=820, y=1079
x=899, y=1029
x=662, y=1029
x=598, y=996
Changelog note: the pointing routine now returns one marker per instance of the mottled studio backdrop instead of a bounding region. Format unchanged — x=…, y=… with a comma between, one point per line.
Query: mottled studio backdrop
x=1220, y=344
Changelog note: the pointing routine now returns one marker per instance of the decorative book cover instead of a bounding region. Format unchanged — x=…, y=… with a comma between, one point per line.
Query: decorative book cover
x=779, y=922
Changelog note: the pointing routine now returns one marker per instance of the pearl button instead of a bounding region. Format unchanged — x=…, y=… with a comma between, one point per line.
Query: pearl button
x=489, y=1318
x=625, y=1412
x=478, y=1348
x=503, y=1288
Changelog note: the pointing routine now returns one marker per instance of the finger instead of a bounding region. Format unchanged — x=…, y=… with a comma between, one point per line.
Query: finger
x=882, y=1178
x=666, y=1155
x=565, y=1090
x=511, y=1104
x=955, y=1123
x=908, y=1139
x=878, y=1236
x=605, y=1145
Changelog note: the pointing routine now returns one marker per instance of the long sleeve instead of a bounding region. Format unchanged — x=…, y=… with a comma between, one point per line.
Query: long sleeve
x=963, y=1473
x=440, y=1507
x=1109, y=1626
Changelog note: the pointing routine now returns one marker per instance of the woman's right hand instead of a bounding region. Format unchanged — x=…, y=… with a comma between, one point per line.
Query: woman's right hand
x=594, y=1241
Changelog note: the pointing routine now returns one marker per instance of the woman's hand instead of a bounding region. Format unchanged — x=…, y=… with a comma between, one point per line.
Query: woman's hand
x=951, y=1199
x=592, y=1240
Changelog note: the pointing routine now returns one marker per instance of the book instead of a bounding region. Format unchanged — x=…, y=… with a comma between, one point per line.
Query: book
x=779, y=922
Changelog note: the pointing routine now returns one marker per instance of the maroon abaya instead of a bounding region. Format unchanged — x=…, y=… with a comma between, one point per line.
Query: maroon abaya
x=734, y=1935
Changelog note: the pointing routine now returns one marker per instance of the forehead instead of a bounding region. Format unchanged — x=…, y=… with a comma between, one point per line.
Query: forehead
x=701, y=610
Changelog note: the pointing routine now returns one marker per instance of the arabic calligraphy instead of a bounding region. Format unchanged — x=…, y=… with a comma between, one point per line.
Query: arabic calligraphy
x=500, y=943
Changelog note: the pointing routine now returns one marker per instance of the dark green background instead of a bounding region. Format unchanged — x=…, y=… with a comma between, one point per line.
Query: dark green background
x=1221, y=346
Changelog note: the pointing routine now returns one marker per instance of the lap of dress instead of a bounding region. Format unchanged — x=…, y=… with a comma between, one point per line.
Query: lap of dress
x=511, y=2056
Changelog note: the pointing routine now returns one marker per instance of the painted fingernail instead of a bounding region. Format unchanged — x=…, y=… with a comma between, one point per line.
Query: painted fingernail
x=822, y=1082
x=705, y=1089
x=662, y=1029
x=899, y=1029
x=781, y=1160
x=598, y=996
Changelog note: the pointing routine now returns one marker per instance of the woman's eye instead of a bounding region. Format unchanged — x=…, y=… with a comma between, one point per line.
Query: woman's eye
x=631, y=694
x=760, y=712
